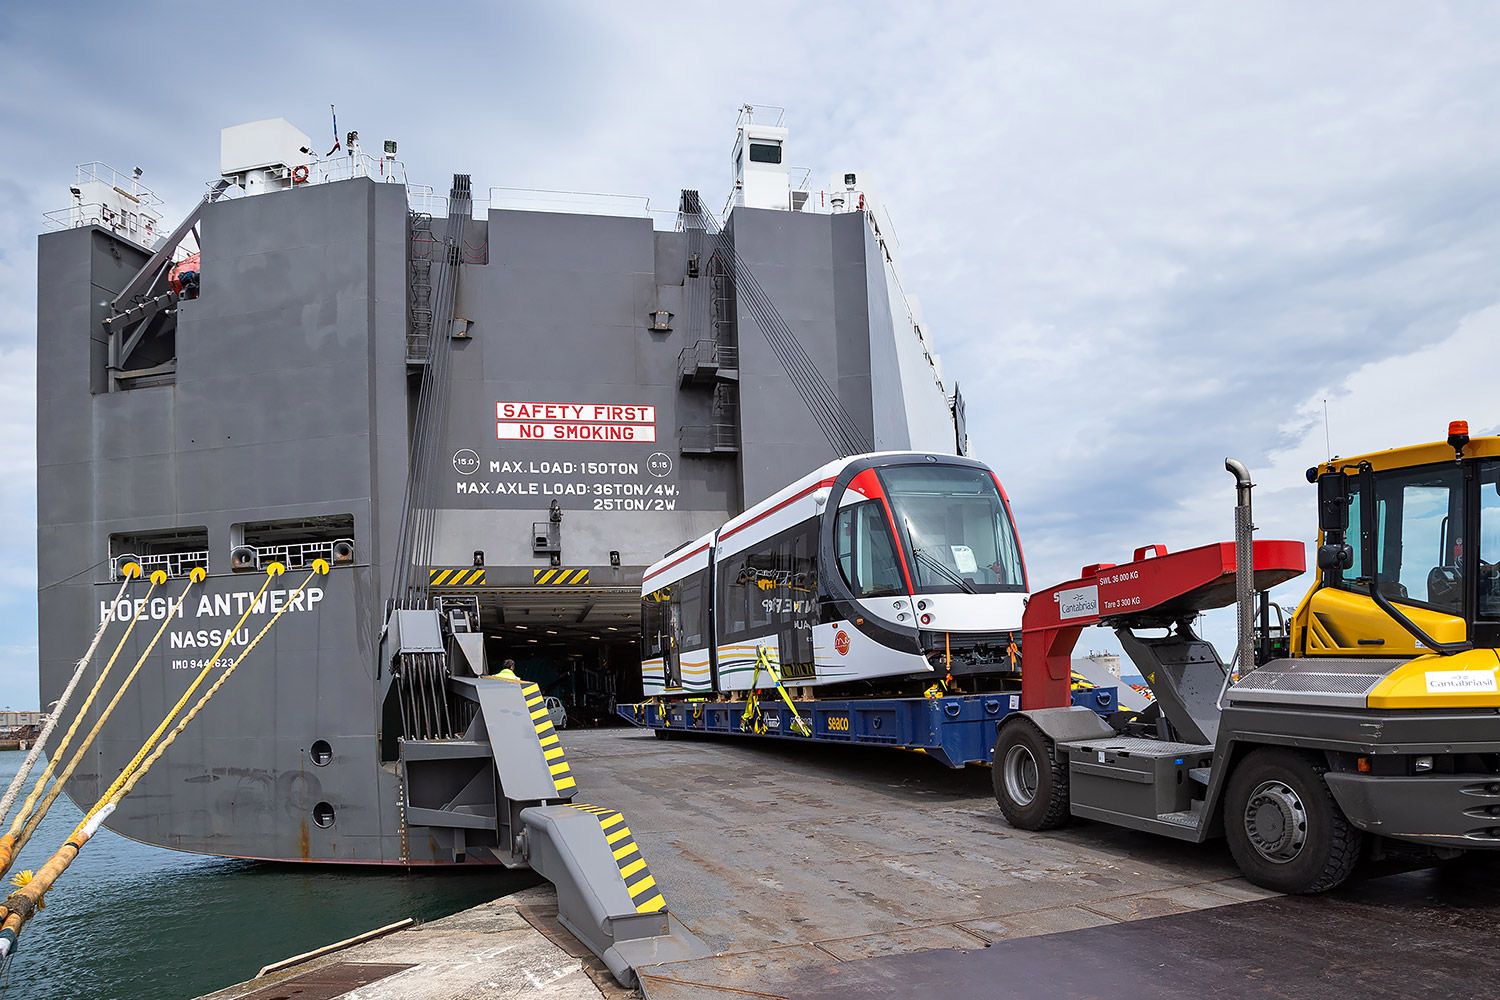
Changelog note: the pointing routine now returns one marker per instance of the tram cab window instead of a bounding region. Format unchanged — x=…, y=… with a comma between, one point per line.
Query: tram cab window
x=956, y=527
x=866, y=555
x=1489, y=540
x=1419, y=545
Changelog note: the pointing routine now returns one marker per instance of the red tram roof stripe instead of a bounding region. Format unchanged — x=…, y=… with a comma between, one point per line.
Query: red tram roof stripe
x=682, y=558
x=771, y=510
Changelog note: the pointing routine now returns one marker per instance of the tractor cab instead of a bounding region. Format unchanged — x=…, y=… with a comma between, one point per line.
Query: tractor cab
x=1408, y=552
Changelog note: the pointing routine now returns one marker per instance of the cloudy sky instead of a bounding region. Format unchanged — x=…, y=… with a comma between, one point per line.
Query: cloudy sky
x=1146, y=235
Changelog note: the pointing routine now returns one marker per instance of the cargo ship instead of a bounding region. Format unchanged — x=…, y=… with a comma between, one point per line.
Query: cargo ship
x=504, y=406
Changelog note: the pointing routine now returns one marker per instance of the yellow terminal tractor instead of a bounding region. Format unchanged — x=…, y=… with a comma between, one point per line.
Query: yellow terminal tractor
x=1369, y=720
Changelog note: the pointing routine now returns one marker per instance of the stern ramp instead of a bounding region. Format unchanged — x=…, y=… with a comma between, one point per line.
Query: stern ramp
x=500, y=781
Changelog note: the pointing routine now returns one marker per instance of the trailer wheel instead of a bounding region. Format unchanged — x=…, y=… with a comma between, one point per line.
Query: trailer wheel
x=1031, y=778
x=1284, y=828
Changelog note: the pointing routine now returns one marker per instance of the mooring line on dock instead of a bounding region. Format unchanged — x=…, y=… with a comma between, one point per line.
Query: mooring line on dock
x=21, y=905
x=273, y=570
x=131, y=571
x=196, y=576
x=8, y=843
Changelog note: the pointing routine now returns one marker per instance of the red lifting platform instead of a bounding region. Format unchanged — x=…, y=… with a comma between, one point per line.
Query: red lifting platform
x=1154, y=589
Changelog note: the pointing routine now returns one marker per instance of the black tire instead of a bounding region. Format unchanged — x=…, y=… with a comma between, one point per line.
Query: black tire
x=1027, y=761
x=1284, y=828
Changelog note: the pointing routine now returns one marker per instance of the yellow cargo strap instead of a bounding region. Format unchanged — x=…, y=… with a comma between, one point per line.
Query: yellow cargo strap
x=752, y=720
x=941, y=687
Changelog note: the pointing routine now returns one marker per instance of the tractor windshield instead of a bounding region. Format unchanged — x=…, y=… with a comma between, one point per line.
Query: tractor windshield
x=1418, y=537
x=957, y=529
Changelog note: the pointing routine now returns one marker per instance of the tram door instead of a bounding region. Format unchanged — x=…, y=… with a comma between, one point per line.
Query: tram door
x=797, y=603
x=672, y=648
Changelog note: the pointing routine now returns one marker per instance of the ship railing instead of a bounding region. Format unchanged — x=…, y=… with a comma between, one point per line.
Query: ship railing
x=344, y=167
x=174, y=564
x=770, y=114
x=127, y=184
x=708, y=439
x=572, y=202
x=706, y=359
x=293, y=555
x=131, y=225
x=799, y=197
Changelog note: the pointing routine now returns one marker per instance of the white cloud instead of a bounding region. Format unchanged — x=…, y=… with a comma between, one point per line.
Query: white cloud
x=1145, y=236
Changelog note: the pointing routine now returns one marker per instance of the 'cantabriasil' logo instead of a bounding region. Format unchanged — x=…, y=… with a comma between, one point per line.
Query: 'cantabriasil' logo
x=1079, y=602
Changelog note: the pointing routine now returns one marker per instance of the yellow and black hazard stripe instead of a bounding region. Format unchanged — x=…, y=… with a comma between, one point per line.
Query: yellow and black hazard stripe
x=559, y=577
x=557, y=763
x=462, y=576
x=644, y=892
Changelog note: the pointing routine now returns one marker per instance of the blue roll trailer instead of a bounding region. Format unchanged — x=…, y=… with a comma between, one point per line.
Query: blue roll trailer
x=955, y=730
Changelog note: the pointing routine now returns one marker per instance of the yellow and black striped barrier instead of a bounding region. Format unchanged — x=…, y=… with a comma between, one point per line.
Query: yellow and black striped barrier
x=633, y=871
x=557, y=761
x=559, y=577
x=459, y=576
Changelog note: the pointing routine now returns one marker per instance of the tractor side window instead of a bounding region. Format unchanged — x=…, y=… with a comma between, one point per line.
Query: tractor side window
x=1419, y=542
x=1489, y=540
x=1354, y=575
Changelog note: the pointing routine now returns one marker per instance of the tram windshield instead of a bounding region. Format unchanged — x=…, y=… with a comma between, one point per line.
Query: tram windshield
x=958, y=534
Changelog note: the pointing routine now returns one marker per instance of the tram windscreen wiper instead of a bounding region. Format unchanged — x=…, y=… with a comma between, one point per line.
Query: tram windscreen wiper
x=938, y=565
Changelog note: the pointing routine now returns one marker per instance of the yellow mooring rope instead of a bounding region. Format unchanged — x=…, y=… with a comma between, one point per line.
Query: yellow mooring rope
x=8, y=843
x=131, y=571
x=273, y=570
x=197, y=575
x=21, y=905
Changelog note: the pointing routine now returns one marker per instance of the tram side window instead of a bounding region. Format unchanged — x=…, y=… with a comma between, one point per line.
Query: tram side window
x=769, y=586
x=866, y=553
x=692, y=596
x=654, y=622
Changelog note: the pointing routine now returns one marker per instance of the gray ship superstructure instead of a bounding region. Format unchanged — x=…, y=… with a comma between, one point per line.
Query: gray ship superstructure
x=502, y=414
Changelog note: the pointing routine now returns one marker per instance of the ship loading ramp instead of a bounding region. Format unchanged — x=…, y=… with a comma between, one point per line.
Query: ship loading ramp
x=489, y=773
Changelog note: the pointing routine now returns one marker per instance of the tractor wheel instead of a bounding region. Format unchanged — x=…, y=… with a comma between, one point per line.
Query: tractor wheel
x=1284, y=828
x=1031, y=778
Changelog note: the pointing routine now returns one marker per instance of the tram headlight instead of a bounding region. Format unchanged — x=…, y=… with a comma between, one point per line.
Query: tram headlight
x=921, y=605
x=926, y=619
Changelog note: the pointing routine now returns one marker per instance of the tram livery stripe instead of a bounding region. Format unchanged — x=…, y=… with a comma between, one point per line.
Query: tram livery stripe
x=636, y=876
x=559, y=577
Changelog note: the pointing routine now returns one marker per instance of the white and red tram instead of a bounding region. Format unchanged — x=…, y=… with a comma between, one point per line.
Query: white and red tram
x=872, y=573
